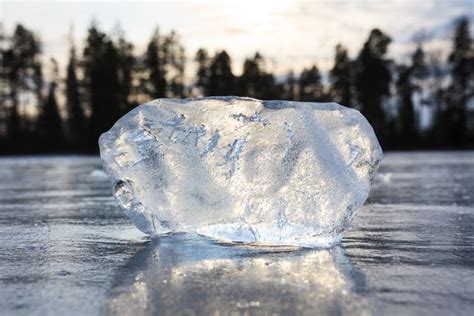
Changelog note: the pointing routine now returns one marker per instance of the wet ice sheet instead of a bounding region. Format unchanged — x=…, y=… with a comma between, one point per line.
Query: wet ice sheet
x=61, y=236
x=65, y=246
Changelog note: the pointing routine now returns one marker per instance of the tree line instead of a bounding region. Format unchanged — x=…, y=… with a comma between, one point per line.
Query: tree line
x=107, y=78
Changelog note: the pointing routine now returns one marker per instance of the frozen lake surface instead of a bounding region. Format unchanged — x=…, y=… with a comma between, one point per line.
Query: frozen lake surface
x=66, y=248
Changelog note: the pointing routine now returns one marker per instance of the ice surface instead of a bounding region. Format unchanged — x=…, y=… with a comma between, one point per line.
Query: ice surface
x=242, y=170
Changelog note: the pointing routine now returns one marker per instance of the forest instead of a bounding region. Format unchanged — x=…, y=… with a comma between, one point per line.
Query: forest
x=67, y=110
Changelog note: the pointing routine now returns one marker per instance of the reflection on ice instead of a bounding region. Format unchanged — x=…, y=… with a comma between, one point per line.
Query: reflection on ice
x=185, y=274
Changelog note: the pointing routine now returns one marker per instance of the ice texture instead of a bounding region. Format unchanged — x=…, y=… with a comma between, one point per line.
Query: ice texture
x=242, y=170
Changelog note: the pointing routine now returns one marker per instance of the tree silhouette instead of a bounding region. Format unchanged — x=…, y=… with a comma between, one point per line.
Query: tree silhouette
x=221, y=79
x=419, y=67
x=76, y=122
x=250, y=75
x=125, y=68
x=372, y=80
x=408, y=84
x=341, y=76
x=4, y=92
x=290, y=87
x=154, y=83
x=436, y=70
x=462, y=82
x=49, y=130
x=255, y=81
x=21, y=72
x=175, y=60
x=406, y=116
x=203, y=72
x=311, y=88
x=100, y=60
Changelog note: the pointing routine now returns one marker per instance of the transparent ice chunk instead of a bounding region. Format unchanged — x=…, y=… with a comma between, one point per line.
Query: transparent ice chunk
x=242, y=170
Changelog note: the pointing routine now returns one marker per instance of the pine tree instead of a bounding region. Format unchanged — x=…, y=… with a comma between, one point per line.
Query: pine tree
x=3, y=88
x=175, y=61
x=126, y=67
x=76, y=122
x=289, y=87
x=255, y=81
x=250, y=76
x=372, y=80
x=154, y=84
x=21, y=73
x=203, y=72
x=221, y=78
x=461, y=88
x=439, y=133
x=310, y=87
x=341, y=76
x=49, y=128
x=419, y=68
x=406, y=115
x=100, y=60
x=408, y=84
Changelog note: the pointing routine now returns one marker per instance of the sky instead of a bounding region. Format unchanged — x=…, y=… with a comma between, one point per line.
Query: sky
x=291, y=34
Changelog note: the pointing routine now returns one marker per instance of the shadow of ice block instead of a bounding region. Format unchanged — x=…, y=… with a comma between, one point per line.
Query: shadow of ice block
x=242, y=170
x=190, y=275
